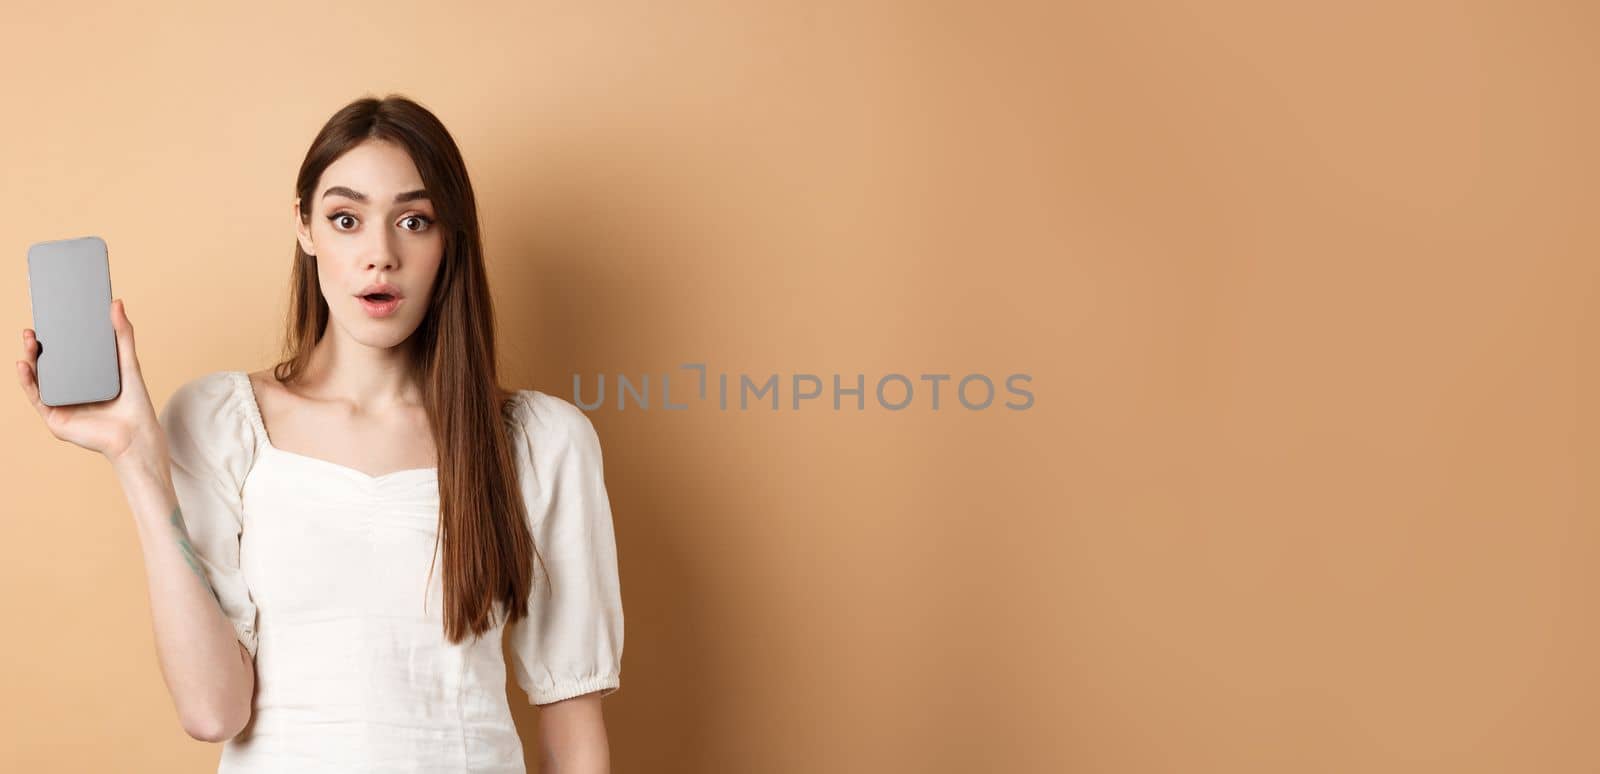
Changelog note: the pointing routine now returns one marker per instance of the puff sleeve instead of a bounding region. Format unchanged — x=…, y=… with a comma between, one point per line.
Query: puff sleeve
x=570, y=643
x=211, y=447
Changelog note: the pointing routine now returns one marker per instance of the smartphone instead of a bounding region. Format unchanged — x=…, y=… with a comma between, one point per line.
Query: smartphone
x=69, y=284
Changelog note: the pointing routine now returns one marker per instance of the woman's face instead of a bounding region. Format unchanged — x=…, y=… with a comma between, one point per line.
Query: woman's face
x=372, y=224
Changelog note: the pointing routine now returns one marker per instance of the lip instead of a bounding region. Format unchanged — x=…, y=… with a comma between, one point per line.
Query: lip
x=380, y=308
x=380, y=287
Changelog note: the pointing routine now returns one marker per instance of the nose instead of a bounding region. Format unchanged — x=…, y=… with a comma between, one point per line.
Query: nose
x=383, y=256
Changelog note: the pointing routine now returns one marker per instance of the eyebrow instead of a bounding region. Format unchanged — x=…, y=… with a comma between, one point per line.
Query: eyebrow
x=361, y=197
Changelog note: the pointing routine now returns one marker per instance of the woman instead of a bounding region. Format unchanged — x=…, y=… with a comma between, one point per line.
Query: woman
x=292, y=519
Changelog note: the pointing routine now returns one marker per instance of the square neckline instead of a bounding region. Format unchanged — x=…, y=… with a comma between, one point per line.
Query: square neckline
x=247, y=393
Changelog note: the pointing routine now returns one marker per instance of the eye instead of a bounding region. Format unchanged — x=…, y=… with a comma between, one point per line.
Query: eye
x=339, y=216
x=422, y=220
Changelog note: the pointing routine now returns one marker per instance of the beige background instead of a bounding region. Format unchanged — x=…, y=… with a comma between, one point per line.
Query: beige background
x=1305, y=289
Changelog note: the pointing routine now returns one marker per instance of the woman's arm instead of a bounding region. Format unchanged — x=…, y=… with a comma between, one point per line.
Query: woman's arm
x=572, y=737
x=207, y=670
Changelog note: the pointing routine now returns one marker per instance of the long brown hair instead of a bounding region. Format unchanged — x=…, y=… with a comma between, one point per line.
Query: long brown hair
x=487, y=545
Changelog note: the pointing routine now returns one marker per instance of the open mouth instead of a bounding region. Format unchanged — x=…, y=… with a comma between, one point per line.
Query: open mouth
x=380, y=304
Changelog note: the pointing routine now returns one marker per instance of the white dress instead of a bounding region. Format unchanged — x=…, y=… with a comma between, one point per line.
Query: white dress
x=321, y=568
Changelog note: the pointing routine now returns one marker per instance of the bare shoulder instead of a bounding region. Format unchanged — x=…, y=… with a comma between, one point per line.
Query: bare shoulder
x=273, y=398
x=270, y=397
x=264, y=383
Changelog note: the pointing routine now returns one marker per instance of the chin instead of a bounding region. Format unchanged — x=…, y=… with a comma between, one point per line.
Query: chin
x=380, y=334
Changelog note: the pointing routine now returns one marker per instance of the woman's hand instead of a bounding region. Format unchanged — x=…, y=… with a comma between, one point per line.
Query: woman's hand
x=123, y=428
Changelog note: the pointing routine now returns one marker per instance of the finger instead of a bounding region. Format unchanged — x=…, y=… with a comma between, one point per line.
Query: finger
x=30, y=347
x=30, y=371
x=30, y=354
x=30, y=387
x=124, y=329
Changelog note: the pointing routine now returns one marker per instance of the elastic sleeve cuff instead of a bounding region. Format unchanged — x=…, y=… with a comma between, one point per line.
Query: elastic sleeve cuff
x=607, y=684
x=247, y=635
